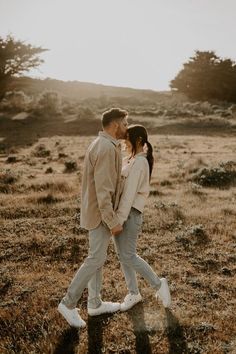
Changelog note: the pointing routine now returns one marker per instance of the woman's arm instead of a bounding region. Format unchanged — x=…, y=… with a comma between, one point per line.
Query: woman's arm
x=128, y=195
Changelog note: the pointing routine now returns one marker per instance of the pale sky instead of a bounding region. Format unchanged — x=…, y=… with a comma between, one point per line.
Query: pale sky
x=131, y=43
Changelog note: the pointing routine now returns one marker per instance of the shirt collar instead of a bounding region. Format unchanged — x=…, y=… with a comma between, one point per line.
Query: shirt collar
x=109, y=137
x=142, y=153
x=137, y=155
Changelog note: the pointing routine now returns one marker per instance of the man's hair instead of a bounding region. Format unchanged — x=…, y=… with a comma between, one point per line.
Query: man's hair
x=112, y=115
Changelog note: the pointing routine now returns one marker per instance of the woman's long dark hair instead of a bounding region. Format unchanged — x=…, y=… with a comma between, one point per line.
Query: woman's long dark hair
x=137, y=133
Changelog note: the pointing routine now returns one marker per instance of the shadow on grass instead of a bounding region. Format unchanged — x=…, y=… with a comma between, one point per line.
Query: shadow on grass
x=96, y=326
x=142, y=344
x=175, y=335
x=68, y=342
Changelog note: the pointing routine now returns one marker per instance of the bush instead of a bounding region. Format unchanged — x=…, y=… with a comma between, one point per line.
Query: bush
x=68, y=106
x=7, y=181
x=49, y=170
x=193, y=235
x=41, y=151
x=15, y=101
x=11, y=159
x=220, y=177
x=8, y=177
x=48, y=199
x=47, y=103
x=70, y=166
x=85, y=113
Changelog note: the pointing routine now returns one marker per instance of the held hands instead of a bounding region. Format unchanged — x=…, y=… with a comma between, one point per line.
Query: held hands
x=115, y=231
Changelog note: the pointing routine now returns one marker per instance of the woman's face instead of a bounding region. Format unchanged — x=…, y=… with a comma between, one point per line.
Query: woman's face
x=128, y=145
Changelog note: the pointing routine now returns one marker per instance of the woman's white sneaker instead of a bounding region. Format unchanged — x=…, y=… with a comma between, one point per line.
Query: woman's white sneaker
x=71, y=316
x=129, y=301
x=105, y=307
x=164, y=293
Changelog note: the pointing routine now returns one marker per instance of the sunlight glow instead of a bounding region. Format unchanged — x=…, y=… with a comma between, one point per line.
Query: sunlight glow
x=130, y=43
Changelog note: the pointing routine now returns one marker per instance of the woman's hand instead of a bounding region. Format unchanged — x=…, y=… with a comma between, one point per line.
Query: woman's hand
x=115, y=231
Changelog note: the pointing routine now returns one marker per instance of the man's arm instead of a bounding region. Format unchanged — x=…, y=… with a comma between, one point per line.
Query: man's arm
x=105, y=177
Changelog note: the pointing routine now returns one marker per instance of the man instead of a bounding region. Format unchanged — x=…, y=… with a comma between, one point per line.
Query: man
x=100, y=197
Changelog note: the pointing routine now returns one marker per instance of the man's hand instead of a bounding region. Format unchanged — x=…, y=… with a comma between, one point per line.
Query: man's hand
x=115, y=231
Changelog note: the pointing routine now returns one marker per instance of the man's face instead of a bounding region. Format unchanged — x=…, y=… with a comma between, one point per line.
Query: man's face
x=122, y=128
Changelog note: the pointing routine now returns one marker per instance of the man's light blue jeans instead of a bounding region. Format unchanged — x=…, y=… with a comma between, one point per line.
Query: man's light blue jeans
x=90, y=273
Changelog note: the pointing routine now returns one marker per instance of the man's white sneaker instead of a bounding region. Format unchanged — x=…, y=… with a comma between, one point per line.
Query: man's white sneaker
x=105, y=307
x=129, y=301
x=164, y=293
x=71, y=316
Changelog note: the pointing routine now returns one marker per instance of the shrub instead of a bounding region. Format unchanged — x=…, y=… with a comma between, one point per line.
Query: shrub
x=41, y=151
x=15, y=101
x=11, y=159
x=49, y=170
x=7, y=180
x=55, y=187
x=220, y=177
x=69, y=107
x=48, y=199
x=165, y=182
x=85, y=113
x=6, y=282
x=70, y=166
x=8, y=177
x=193, y=235
x=47, y=103
x=62, y=155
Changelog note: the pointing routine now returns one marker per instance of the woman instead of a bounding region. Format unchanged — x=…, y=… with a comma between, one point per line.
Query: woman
x=136, y=174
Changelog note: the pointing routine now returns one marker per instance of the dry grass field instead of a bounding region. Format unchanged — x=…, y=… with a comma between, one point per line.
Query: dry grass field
x=189, y=236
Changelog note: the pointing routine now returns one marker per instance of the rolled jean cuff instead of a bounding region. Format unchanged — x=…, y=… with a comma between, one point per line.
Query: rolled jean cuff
x=94, y=303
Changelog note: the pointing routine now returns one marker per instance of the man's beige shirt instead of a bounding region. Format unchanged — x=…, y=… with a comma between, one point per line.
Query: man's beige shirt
x=101, y=183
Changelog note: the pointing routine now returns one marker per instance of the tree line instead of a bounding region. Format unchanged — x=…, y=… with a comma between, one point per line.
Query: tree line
x=204, y=77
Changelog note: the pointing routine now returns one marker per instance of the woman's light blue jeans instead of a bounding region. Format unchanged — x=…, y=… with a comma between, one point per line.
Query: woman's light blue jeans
x=125, y=244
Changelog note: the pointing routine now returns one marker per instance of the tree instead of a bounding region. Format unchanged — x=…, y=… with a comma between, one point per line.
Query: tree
x=206, y=76
x=16, y=57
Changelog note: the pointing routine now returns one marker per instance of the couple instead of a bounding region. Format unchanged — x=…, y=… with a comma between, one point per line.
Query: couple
x=113, y=199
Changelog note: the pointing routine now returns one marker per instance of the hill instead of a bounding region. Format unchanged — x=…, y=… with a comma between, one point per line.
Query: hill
x=75, y=108
x=81, y=90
